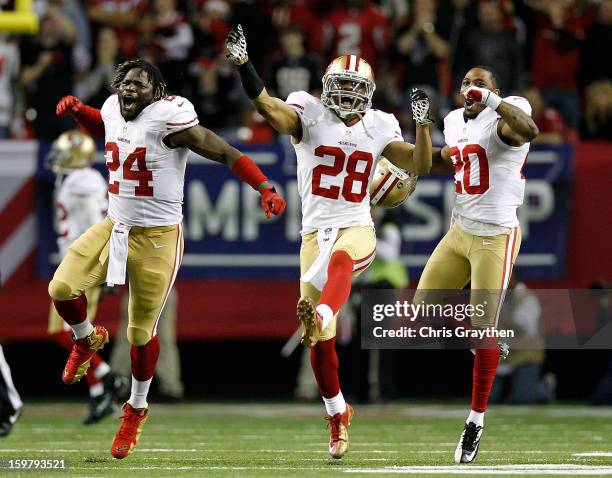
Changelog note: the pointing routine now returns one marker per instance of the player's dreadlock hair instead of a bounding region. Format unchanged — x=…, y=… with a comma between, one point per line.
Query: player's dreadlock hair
x=155, y=76
x=492, y=72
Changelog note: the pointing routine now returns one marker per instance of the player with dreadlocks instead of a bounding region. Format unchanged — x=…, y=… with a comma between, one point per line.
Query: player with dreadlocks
x=147, y=139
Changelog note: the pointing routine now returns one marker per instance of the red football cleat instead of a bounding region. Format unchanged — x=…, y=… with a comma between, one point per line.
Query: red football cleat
x=338, y=436
x=132, y=421
x=82, y=351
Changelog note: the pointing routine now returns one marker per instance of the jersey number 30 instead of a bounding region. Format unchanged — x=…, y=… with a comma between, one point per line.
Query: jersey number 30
x=142, y=174
x=333, y=192
x=463, y=161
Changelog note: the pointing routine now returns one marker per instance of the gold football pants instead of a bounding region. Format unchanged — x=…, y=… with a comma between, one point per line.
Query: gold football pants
x=359, y=242
x=154, y=257
x=485, y=261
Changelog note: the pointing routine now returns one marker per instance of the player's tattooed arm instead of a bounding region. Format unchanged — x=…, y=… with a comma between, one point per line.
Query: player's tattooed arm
x=417, y=158
x=516, y=127
x=441, y=161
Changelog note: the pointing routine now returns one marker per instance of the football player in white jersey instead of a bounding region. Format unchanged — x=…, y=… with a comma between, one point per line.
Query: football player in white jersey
x=80, y=200
x=338, y=140
x=148, y=135
x=487, y=142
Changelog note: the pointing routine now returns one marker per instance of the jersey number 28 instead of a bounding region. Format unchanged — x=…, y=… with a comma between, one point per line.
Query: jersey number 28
x=333, y=192
x=142, y=174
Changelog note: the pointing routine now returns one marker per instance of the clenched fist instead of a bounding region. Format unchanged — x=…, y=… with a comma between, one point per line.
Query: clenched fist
x=272, y=202
x=68, y=106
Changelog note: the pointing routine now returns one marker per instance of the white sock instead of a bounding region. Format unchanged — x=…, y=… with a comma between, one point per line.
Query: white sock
x=102, y=370
x=138, y=397
x=335, y=404
x=82, y=330
x=476, y=417
x=326, y=313
x=96, y=390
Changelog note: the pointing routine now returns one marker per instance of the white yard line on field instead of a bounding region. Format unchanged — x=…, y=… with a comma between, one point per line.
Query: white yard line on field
x=528, y=469
x=595, y=453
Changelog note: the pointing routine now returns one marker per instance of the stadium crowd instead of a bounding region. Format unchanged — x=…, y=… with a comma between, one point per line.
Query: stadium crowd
x=554, y=52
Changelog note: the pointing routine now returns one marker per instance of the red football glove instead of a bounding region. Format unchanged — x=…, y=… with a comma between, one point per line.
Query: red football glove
x=272, y=202
x=474, y=94
x=68, y=106
x=88, y=118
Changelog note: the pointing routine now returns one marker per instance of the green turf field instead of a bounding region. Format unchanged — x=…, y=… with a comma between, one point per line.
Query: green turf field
x=286, y=440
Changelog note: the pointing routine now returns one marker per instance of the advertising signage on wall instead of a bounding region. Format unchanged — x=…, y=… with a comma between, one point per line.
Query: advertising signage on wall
x=227, y=235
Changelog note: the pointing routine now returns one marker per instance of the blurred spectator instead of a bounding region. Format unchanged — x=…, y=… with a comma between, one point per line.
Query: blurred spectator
x=285, y=13
x=256, y=25
x=518, y=377
x=597, y=119
x=559, y=29
x=254, y=129
x=420, y=45
x=548, y=119
x=210, y=29
x=357, y=28
x=9, y=71
x=96, y=86
x=463, y=15
x=123, y=17
x=594, y=63
x=218, y=97
x=491, y=44
x=395, y=10
x=294, y=69
x=171, y=43
x=47, y=72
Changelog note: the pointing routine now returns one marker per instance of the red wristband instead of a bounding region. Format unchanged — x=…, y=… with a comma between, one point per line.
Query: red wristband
x=248, y=171
x=90, y=119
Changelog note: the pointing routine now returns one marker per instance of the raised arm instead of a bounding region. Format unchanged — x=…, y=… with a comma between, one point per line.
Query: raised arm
x=88, y=118
x=204, y=142
x=516, y=127
x=276, y=112
x=417, y=158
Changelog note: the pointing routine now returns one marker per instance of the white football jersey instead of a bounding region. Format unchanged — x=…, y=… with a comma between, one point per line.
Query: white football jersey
x=335, y=162
x=145, y=176
x=489, y=182
x=80, y=202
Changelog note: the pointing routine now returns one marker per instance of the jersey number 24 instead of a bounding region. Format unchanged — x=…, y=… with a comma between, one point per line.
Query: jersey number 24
x=142, y=174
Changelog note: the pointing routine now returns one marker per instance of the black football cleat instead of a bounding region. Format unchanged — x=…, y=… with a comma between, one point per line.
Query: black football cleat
x=467, y=449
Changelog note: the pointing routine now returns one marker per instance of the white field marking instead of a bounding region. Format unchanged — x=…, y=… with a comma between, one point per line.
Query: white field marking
x=204, y=467
x=595, y=453
x=375, y=459
x=289, y=410
x=529, y=469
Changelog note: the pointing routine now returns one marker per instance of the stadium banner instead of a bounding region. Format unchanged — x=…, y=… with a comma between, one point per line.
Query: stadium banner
x=227, y=235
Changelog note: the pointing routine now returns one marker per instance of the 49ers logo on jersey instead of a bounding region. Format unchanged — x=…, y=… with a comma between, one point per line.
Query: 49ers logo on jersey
x=142, y=175
x=353, y=175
